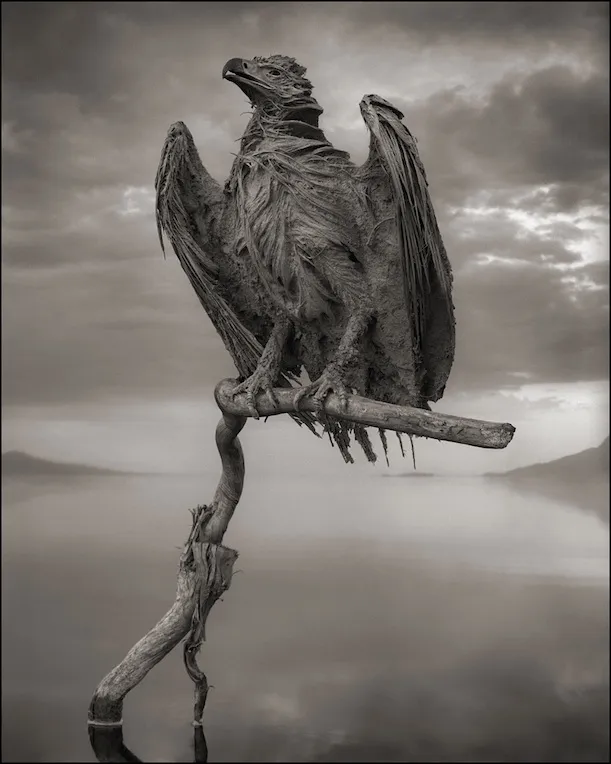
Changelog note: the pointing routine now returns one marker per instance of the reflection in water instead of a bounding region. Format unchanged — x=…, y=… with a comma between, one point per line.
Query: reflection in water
x=200, y=746
x=107, y=744
x=472, y=616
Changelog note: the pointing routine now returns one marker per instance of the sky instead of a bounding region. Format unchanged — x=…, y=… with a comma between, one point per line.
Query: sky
x=107, y=354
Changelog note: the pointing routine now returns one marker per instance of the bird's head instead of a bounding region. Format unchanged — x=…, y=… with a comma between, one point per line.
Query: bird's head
x=275, y=81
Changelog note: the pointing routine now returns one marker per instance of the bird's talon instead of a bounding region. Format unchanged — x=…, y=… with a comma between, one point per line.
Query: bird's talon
x=329, y=382
x=258, y=382
x=250, y=402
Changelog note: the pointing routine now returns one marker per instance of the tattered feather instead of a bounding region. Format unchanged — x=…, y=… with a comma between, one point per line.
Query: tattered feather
x=286, y=203
x=174, y=220
x=290, y=186
x=420, y=241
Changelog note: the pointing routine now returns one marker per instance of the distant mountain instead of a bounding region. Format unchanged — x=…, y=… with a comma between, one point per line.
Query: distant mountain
x=18, y=463
x=581, y=479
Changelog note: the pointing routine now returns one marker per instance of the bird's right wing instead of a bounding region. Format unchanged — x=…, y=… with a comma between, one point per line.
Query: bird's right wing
x=185, y=190
x=182, y=185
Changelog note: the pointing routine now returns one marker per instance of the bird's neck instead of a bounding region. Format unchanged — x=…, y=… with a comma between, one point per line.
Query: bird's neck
x=298, y=118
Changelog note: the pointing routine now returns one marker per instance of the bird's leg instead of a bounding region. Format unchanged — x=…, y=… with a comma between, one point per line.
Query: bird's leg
x=266, y=374
x=332, y=378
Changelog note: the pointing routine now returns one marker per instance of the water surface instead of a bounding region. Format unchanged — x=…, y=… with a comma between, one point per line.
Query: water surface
x=372, y=619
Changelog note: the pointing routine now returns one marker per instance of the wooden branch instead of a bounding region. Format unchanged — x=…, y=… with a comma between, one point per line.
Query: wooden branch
x=387, y=416
x=204, y=561
x=106, y=707
x=206, y=566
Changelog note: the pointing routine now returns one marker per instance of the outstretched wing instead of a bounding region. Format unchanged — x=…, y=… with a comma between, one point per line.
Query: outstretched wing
x=181, y=186
x=187, y=201
x=426, y=270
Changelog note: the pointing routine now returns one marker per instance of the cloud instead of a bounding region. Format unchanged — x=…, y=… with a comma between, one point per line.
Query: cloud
x=509, y=103
x=545, y=133
x=100, y=330
x=525, y=316
x=508, y=24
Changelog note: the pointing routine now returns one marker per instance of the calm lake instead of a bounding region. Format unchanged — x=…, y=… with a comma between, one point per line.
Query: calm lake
x=373, y=619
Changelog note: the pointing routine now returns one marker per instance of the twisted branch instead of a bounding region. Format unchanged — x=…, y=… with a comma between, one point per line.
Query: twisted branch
x=206, y=566
x=204, y=572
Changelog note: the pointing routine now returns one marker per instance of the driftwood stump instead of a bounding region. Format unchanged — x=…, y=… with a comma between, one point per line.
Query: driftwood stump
x=205, y=566
x=204, y=573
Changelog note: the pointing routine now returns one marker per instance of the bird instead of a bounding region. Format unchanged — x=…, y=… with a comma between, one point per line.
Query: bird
x=305, y=261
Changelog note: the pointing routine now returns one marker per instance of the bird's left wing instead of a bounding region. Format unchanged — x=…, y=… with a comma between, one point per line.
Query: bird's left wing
x=427, y=275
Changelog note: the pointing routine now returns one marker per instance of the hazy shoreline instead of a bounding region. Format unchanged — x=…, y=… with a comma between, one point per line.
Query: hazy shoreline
x=479, y=616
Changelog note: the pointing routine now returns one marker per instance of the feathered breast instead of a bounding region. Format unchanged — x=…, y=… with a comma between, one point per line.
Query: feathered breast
x=290, y=210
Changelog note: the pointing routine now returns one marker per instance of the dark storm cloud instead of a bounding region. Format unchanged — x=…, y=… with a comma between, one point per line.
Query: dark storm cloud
x=547, y=129
x=98, y=114
x=508, y=100
x=540, y=26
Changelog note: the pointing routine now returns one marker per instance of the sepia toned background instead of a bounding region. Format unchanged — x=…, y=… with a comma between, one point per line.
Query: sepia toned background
x=509, y=103
x=108, y=360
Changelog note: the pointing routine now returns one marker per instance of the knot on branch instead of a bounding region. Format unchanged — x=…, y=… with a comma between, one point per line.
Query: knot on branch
x=214, y=569
x=213, y=565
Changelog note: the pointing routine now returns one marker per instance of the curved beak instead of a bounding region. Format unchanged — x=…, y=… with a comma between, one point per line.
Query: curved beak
x=244, y=74
x=235, y=66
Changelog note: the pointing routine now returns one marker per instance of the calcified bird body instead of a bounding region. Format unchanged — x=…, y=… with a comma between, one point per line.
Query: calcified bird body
x=306, y=261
